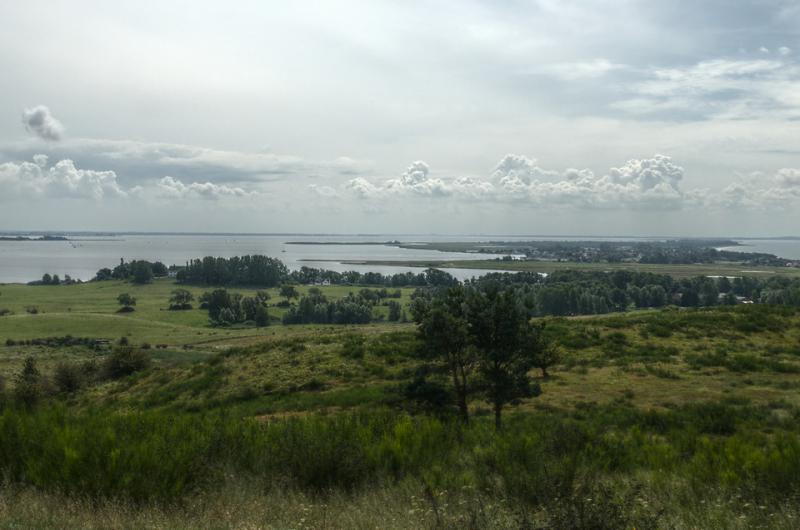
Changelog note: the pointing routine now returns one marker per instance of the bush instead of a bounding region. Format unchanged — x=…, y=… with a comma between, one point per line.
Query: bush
x=68, y=377
x=124, y=361
x=127, y=302
x=353, y=346
x=180, y=300
x=28, y=384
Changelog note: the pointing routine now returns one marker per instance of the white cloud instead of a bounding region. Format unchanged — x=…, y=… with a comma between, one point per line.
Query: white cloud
x=173, y=188
x=323, y=191
x=37, y=179
x=574, y=71
x=63, y=179
x=784, y=50
x=40, y=121
x=726, y=88
x=652, y=183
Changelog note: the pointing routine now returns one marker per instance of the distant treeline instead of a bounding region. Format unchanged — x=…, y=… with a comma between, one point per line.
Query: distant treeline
x=264, y=271
x=595, y=292
x=674, y=252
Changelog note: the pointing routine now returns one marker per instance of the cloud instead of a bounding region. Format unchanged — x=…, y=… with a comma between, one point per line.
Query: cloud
x=173, y=188
x=323, y=191
x=62, y=180
x=574, y=71
x=759, y=191
x=40, y=121
x=725, y=88
x=38, y=179
x=137, y=162
x=651, y=183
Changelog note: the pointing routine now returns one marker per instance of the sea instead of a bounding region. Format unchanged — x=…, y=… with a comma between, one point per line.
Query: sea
x=83, y=254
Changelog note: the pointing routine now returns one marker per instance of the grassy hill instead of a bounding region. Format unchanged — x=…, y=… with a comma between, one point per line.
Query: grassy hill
x=653, y=419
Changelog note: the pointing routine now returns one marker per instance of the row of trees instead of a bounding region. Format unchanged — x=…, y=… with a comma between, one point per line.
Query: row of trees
x=481, y=336
x=426, y=278
x=255, y=270
x=583, y=292
x=137, y=271
x=47, y=279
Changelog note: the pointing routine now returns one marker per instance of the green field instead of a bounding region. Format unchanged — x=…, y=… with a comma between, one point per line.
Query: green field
x=679, y=271
x=673, y=418
x=90, y=310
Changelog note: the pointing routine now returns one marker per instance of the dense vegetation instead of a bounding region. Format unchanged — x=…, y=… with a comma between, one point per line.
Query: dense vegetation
x=582, y=292
x=680, y=417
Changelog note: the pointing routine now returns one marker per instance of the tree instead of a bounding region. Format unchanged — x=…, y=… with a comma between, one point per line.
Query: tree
x=499, y=330
x=180, y=299
x=218, y=300
x=262, y=297
x=262, y=316
x=394, y=310
x=28, y=384
x=289, y=292
x=442, y=326
x=47, y=279
x=141, y=272
x=544, y=351
x=127, y=302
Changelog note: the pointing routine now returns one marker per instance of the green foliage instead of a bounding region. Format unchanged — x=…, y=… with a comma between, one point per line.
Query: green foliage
x=126, y=301
x=141, y=272
x=125, y=360
x=28, y=384
x=180, y=300
x=68, y=377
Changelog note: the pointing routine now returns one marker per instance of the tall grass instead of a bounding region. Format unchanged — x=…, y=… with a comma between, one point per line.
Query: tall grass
x=537, y=459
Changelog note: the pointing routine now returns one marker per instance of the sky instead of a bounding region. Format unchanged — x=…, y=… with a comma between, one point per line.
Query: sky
x=559, y=117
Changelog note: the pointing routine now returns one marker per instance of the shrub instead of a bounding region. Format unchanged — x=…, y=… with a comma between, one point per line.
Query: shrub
x=4, y=311
x=127, y=302
x=353, y=346
x=180, y=300
x=124, y=361
x=28, y=384
x=68, y=377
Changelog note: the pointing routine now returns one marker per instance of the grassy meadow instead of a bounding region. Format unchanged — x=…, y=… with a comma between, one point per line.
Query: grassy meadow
x=652, y=419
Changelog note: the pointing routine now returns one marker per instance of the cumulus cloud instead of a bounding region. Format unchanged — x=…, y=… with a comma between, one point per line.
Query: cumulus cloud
x=173, y=188
x=41, y=122
x=63, y=179
x=137, y=161
x=652, y=183
x=759, y=191
x=39, y=179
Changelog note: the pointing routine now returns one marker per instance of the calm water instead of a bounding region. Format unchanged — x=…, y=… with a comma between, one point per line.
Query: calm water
x=784, y=248
x=83, y=255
